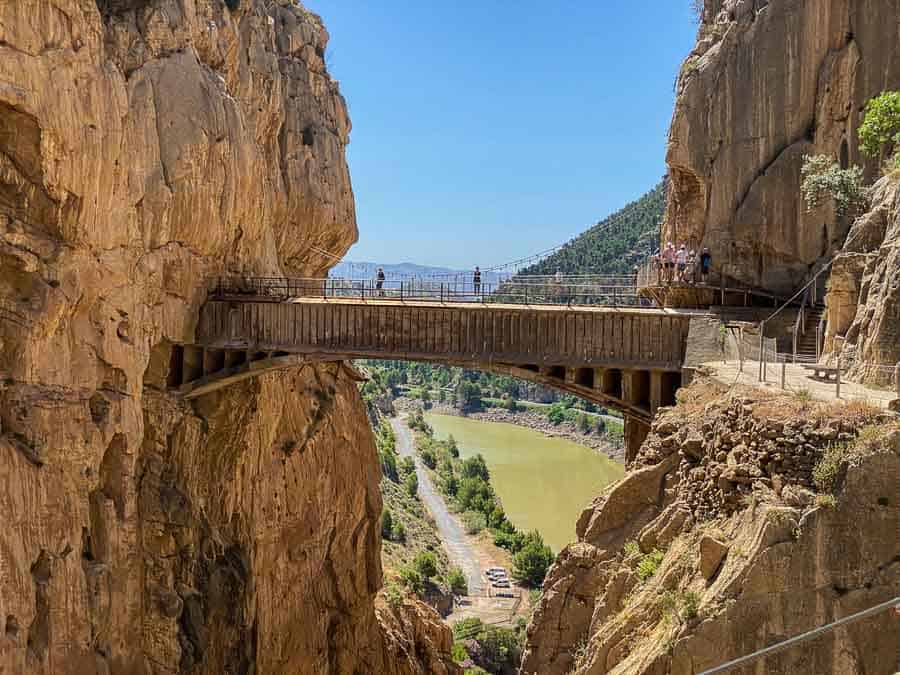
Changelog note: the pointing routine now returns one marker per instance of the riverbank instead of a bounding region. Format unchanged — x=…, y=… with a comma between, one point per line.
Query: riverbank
x=530, y=419
x=471, y=553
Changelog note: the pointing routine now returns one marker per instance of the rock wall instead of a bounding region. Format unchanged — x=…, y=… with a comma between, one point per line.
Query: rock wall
x=863, y=301
x=144, y=146
x=767, y=83
x=713, y=546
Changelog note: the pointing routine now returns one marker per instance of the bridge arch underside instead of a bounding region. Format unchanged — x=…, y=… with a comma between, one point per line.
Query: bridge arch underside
x=637, y=393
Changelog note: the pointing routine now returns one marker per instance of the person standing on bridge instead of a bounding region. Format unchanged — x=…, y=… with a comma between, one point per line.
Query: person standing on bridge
x=668, y=259
x=681, y=261
x=705, y=264
x=476, y=280
x=379, y=281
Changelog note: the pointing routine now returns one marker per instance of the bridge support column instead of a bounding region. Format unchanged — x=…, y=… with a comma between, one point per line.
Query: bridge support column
x=192, y=364
x=635, y=433
x=656, y=390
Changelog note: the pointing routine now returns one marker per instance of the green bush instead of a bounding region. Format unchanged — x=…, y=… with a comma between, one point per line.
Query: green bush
x=584, y=424
x=388, y=461
x=825, y=472
x=467, y=629
x=398, y=532
x=411, y=484
x=690, y=604
x=428, y=457
x=473, y=522
x=456, y=580
x=649, y=564
x=475, y=467
x=393, y=594
x=407, y=466
x=426, y=564
x=411, y=578
x=630, y=548
x=452, y=447
x=458, y=652
x=556, y=413
x=881, y=124
x=511, y=541
x=531, y=563
x=387, y=524
x=823, y=177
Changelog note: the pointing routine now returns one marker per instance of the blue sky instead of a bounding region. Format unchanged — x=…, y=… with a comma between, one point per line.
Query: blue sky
x=487, y=131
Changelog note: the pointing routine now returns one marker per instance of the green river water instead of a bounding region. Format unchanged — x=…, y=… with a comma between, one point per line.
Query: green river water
x=544, y=483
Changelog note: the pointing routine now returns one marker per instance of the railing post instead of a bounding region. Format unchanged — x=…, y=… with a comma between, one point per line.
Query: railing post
x=837, y=386
x=401, y=290
x=783, y=373
x=442, y=293
x=762, y=357
x=897, y=379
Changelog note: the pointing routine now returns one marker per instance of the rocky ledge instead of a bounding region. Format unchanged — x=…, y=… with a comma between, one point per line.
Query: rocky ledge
x=715, y=544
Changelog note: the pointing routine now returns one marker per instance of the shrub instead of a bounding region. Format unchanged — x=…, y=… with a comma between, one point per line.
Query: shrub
x=456, y=580
x=393, y=594
x=426, y=564
x=584, y=424
x=531, y=563
x=556, y=413
x=387, y=525
x=823, y=177
x=475, y=467
x=690, y=605
x=412, y=580
x=881, y=124
x=473, y=522
x=398, y=532
x=452, y=447
x=428, y=457
x=458, y=652
x=825, y=471
x=501, y=649
x=826, y=501
x=388, y=461
x=467, y=629
x=407, y=466
x=411, y=484
x=630, y=548
x=649, y=564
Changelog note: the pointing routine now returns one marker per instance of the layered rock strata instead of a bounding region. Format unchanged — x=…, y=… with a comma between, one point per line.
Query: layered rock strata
x=714, y=546
x=767, y=83
x=146, y=145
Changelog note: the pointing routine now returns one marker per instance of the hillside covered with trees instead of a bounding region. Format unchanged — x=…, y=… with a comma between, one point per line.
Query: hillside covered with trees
x=614, y=245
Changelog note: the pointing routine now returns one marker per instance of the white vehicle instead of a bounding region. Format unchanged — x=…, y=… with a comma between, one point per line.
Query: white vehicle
x=495, y=570
x=500, y=583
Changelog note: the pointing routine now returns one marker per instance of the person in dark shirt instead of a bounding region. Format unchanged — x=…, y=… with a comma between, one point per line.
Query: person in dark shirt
x=476, y=280
x=705, y=264
x=379, y=281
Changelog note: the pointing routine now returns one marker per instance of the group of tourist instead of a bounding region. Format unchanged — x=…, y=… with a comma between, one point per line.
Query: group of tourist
x=680, y=265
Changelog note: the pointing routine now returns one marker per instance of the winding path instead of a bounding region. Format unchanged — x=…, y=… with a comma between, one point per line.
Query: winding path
x=461, y=552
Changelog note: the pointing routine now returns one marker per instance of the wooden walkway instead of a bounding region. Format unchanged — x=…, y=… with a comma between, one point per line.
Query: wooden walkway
x=625, y=358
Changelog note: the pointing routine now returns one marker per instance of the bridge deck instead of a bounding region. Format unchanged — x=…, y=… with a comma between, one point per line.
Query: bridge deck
x=540, y=335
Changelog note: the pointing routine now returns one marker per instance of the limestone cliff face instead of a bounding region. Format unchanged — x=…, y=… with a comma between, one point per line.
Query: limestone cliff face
x=144, y=145
x=767, y=83
x=863, y=298
x=713, y=546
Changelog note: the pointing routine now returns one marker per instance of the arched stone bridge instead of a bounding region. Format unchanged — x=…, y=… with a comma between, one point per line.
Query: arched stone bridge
x=629, y=359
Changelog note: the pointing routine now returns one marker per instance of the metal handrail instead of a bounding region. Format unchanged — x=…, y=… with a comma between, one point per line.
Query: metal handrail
x=549, y=292
x=804, y=637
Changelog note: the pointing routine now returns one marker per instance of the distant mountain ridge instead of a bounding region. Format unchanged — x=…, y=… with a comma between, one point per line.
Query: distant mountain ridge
x=366, y=270
x=614, y=245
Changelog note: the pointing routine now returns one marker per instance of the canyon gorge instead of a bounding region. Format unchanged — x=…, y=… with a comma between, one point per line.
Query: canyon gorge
x=147, y=146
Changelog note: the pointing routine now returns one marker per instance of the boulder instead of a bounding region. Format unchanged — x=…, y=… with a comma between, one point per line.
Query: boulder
x=712, y=552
